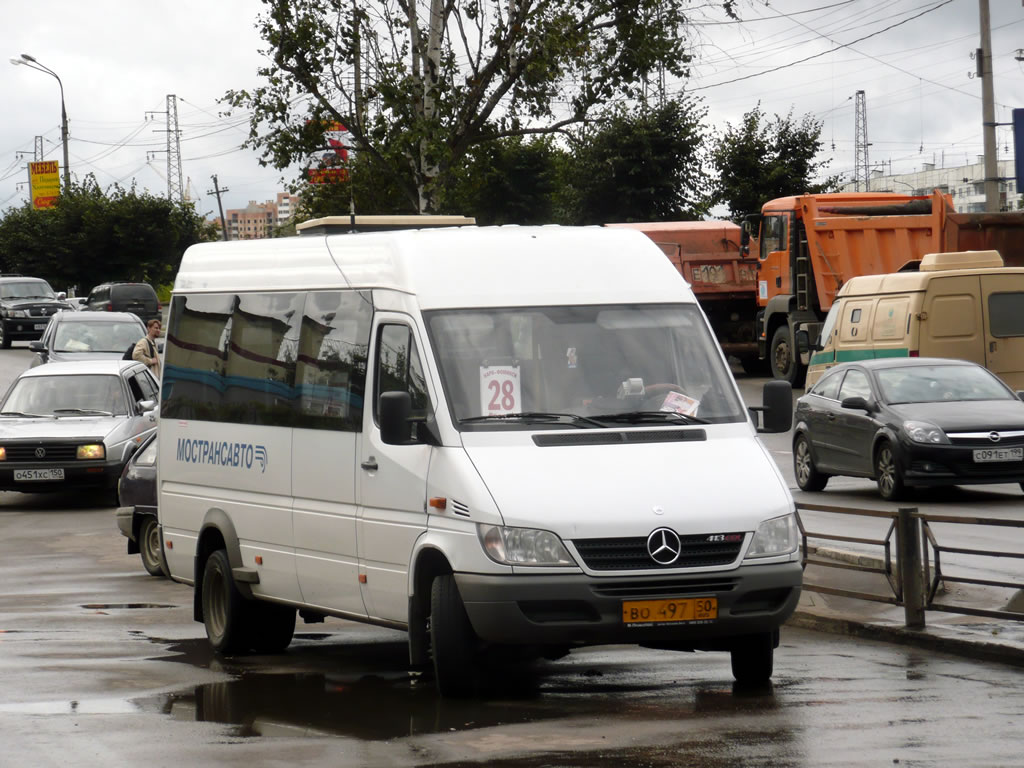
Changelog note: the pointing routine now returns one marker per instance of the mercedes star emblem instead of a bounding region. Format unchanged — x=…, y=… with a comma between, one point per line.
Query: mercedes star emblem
x=663, y=546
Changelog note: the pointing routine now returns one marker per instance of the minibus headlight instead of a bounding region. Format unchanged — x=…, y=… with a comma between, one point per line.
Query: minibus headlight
x=94, y=451
x=923, y=432
x=522, y=546
x=777, y=536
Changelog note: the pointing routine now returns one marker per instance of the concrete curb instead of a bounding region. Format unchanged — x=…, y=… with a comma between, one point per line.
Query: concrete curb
x=960, y=640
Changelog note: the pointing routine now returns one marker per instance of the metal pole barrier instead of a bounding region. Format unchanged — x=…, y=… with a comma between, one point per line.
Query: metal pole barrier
x=908, y=544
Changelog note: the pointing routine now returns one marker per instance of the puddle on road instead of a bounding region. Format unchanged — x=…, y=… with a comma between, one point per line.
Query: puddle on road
x=364, y=690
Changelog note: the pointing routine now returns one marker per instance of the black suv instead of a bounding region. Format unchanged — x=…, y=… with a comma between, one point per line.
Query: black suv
x=26, y=304
x=138, y=298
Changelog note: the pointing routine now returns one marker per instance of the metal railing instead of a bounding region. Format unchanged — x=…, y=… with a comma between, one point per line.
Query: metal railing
x=915, y=574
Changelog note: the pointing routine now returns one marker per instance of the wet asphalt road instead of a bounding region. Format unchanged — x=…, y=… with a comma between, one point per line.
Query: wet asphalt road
x=102, y=665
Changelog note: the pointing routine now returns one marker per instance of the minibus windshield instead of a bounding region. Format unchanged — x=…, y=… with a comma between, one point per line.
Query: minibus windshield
x=581, y=366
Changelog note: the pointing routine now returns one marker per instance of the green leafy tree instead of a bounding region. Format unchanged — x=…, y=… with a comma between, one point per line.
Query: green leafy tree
x=645, y=165
x=92, y=236
x=508, y=181
x=762, y=158
x=419, y=84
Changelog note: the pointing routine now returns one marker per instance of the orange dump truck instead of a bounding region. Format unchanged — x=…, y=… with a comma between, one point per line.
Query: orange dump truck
x=807, y=246
x=708, y=255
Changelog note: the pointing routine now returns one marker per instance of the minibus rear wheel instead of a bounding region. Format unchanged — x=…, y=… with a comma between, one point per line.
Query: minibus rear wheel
x=224, y=608
x=453, y=643
x=753, y=658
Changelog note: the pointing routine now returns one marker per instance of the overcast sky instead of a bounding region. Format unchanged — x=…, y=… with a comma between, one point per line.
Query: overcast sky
x=119, y=59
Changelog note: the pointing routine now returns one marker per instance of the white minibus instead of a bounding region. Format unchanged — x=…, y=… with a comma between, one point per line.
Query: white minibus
x=506, y=441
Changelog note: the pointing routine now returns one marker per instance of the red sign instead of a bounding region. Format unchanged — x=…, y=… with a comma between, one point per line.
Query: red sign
x=328, y=166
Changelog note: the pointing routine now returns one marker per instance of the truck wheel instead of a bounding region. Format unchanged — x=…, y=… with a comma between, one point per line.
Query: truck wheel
x=224, y=609
x=807, y=475
x=272, y=627
x=753, y=658
x=453, y=644
x=149, y=546
x=888, y=474
x=783, y=359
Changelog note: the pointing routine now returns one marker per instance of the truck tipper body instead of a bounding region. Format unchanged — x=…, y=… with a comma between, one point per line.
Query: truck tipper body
x=808, y=246
x=724, y=280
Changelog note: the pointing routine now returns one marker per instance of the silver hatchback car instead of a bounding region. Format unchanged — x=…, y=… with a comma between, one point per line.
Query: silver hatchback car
x=75, y=425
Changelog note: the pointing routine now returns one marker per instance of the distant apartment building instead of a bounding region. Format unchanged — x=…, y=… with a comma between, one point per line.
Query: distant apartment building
x=258, y=220
x=966, y=184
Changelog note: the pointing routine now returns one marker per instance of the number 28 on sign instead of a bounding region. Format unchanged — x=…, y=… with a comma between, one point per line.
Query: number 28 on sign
x=499, y=390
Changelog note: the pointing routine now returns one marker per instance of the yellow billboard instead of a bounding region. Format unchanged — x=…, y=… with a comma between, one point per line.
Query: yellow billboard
x=44, y=180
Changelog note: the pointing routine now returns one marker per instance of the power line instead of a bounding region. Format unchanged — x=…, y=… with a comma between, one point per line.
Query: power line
x=822, y=53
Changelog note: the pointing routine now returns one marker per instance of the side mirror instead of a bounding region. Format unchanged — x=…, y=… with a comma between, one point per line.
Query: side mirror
x=777, y=399
x=159, y=346
x=1020, y=394
x=855, y=403
x=804, y=343
x=147, y=405
x=37, y=346
x=394, y=409
x=61, y=296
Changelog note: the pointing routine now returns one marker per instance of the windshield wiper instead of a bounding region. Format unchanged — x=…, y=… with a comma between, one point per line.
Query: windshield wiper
x=83, y=411
x=536, y=416
x=23, y=415
x=646, y=417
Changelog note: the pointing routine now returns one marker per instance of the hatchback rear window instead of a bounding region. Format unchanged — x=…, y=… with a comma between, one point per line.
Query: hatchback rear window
x=128, y=292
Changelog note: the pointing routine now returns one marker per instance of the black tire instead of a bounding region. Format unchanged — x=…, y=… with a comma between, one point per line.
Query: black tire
x=888, y=473
x=807, y=475
x=453, y=644
x=225, y=611
x=783, y=359
x=149, y=547
x=272, y=627
x=5, y=340
x=753, y=658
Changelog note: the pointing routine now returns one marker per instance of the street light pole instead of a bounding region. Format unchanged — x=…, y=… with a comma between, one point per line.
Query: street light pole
x=32, y=63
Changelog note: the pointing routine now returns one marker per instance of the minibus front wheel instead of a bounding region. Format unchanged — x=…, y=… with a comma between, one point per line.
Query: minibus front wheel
x=753, y=658
x=453, y=643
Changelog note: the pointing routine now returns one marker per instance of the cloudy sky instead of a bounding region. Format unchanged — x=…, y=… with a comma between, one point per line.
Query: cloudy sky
x=119, y=59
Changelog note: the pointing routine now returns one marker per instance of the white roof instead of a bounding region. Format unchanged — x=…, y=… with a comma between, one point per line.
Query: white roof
x=80, y=368
x=458, y=267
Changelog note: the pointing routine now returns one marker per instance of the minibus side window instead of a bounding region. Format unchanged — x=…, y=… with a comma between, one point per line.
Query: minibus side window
x=399, y=368
x=330, y=371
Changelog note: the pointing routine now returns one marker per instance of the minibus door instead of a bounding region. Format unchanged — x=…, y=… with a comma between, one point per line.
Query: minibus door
x=391, y=480
x=1003, y=304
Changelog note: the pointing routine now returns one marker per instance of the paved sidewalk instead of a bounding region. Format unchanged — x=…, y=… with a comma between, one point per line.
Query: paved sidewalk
x=972, y=636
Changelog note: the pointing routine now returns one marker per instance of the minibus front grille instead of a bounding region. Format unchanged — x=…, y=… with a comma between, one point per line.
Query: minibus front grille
x=605, y=437
x=663, y=588
x=630, y=554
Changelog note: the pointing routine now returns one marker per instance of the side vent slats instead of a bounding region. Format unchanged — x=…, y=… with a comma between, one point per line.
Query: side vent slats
x=459, y=508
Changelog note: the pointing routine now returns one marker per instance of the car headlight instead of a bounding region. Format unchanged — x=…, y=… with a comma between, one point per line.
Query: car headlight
x=16, y=313
x=522, y=546
x=774, y=537
x=923, y=432
x=95, y=451
x=3, y=453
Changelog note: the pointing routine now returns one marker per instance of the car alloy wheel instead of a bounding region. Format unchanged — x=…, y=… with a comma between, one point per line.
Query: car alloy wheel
x=888, y=475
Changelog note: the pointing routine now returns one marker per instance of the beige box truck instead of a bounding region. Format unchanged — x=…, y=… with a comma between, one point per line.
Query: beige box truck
x=964, y=305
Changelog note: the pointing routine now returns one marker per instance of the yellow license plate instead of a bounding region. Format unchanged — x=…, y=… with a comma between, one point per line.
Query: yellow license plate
x=669, y=611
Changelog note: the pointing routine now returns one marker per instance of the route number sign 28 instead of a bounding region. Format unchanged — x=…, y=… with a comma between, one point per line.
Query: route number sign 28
x=499, y=390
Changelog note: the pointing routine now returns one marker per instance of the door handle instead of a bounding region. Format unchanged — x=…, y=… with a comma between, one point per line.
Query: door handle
x=370, y=465
x=831, y=417
x=991, y=346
